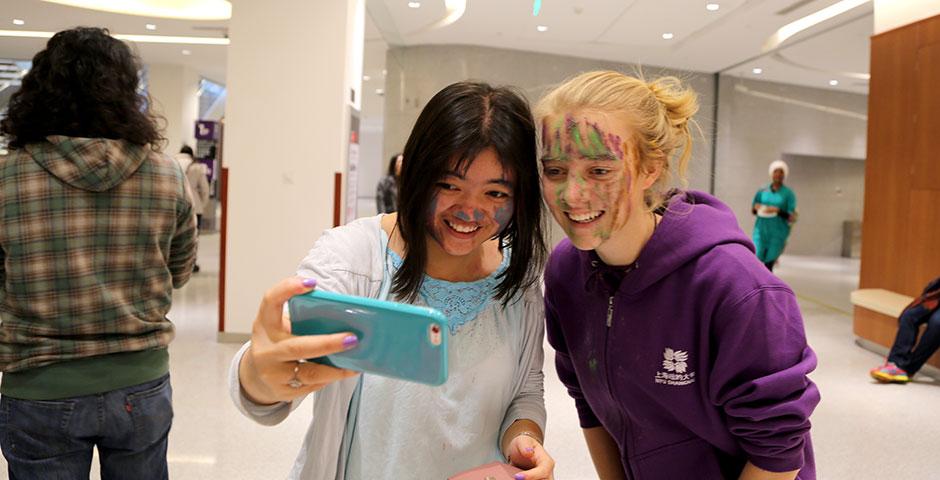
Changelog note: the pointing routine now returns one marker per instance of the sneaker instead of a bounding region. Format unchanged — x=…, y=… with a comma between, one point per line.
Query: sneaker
x=889, y=373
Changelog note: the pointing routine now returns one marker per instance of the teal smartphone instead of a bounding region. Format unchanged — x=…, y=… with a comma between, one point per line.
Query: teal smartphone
x=395, y=339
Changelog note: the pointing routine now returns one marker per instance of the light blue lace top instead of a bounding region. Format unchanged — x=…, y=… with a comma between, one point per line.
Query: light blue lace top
x=460, y=302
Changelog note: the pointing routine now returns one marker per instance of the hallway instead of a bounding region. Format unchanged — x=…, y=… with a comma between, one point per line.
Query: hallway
x=858, y=429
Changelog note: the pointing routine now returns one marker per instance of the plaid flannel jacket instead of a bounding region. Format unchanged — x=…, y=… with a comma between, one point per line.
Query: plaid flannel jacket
x=94, y=235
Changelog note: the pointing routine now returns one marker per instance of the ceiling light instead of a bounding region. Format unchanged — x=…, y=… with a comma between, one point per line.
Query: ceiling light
x=809, y=21
x=130, y=38
x=150, y=26
x=187, y=52
x=384, y=72
x=668, y=36
x=757, y=71
x=414, y=4
x=169, y=39
x=17, y=21
x=379, y=91
x=189, y=9
x=541, y=28
x=833, y=82
x=712, y=7
x=366, y=78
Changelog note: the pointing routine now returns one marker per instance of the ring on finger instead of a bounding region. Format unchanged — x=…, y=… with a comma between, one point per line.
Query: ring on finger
x=294, y=381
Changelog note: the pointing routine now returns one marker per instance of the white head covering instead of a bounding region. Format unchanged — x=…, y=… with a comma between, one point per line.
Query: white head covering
x=779, y=164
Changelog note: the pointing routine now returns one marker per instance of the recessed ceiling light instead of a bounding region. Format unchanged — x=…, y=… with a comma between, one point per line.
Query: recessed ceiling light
x=414, y=4
x=757, y=71
x=17, y=21
x=712, y=7
x=187, y=10
x=366, y=78
x=380, y=91
x=833, y=82
x=150, y=26
x=541, y=28
x=187, y=52
x=668, y=36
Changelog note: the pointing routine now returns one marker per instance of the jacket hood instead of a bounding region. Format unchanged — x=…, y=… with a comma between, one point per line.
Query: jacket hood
x=93, y=164
x=692, y=224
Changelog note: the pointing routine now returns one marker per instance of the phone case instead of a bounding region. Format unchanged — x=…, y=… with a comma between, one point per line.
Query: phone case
x=490, y=471
x=395, y=339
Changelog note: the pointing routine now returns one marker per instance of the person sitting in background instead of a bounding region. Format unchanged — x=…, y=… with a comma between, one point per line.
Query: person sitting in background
x=775, y=208
x=97, y=228
x=197, y=174
x=386, y=193
x=907, y=354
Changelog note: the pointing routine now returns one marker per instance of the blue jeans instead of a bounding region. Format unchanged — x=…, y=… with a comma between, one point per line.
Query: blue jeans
x=904, y=353
x=54, y=439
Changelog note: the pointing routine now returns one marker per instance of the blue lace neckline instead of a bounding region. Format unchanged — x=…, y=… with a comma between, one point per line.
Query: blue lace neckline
x=460, y=302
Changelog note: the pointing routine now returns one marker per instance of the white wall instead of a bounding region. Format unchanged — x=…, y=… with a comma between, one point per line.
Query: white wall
x=286, y=133
x=173, y=90
x=822, y=131
x=891, y=14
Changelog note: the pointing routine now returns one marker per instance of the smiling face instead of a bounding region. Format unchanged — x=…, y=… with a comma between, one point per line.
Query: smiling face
x=587, y=181
x=472, y=206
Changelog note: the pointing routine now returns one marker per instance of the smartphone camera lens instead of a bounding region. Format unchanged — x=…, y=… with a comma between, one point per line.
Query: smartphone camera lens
x=434, y=334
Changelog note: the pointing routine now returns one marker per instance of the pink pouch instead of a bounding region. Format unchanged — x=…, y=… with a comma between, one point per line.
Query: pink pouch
x=490, y=471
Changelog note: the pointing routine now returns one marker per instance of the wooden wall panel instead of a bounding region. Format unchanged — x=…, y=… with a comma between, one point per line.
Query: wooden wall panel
x=887, y=169
x=901, y=221
x=923, y=239
x=925, y=161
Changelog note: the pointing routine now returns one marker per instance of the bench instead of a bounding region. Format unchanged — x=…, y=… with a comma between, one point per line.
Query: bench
x=876, y=320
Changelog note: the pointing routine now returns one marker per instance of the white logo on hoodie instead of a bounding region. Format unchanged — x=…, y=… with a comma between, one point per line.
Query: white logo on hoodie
x=675, y=362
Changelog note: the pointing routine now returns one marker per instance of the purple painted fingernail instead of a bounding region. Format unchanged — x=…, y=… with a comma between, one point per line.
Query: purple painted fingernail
x=310, y=282
x=519, y=476
x=350, y=342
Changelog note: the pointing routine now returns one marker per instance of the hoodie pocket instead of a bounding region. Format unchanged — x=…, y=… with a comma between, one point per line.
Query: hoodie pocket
x=693, y=458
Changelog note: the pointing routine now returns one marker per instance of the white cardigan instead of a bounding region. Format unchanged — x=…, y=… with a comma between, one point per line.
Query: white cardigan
x=352, y=259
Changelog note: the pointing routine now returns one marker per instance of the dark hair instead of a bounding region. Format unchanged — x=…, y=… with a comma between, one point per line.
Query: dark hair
x=84, y=84
x=457, y=124
x=391, y=164
x=187, y=150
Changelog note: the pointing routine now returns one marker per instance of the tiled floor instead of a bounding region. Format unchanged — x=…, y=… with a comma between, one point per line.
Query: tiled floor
x=862, y=430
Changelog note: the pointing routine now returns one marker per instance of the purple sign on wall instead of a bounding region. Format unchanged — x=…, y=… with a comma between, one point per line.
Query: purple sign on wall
x=205, y=130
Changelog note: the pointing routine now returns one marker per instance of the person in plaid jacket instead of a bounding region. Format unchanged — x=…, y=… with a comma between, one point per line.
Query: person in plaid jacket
x=96, y=229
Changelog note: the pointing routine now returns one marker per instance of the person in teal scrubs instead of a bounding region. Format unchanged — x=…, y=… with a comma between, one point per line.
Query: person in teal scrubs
x=775, y=207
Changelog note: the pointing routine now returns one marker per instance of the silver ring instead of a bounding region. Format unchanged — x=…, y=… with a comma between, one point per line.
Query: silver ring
x=295, y=382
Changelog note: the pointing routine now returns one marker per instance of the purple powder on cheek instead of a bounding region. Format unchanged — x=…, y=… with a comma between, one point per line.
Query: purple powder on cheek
x=431, y=214
x=478, y=215
x=462, y=216
x=504, y=215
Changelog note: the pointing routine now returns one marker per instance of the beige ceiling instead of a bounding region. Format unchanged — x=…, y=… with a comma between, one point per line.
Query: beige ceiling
x=630, y=31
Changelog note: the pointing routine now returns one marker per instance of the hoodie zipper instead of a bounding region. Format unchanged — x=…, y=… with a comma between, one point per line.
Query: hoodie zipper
x=610, y=391
x=610, y=311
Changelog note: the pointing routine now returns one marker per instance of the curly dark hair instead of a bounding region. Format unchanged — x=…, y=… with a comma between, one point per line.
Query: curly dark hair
x=84, y=84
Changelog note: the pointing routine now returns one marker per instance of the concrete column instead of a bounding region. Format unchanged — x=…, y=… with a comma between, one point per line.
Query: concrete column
x=174, y=91
x=294, y=76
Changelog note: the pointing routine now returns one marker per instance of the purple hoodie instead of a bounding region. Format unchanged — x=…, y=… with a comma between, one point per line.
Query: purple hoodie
x=695, y=359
